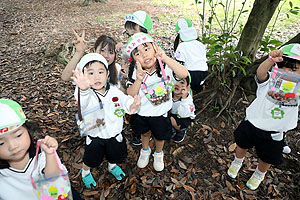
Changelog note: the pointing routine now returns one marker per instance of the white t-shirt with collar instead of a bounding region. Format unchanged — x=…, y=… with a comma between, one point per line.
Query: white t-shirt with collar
x=148, y=109
x=184, y=108
x=266, y=115
x=112, y=100
x=193, y=54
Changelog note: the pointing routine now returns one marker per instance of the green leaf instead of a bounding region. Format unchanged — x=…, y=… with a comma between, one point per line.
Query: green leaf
x=291, y=4
x=287, y=15
x=275, y=42
x=295, y=12
x=233, y=73
x=243, y=70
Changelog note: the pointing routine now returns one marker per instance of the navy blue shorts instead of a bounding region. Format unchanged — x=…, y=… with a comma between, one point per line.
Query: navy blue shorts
x=114, y=151
x=268, y=150
x=160, y=127
x=197, y=77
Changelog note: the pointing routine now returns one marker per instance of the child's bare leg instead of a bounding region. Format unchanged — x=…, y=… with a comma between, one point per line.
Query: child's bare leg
x=85, y=167
x=174, y=124
x=240, y=152
x=145, y=139
x=263, y=166
x=159, y=144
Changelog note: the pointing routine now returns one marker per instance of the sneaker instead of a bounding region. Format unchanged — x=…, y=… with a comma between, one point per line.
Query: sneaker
x=88, y=180
x=136, y=141
x=158, y=162
x=179, y=136
x=234, y=168
x=144, y=158
x=255, y=181
x=117, y=172
x=286, y=149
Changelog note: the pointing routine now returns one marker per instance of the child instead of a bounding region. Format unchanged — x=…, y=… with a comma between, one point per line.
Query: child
x=136, y=22
x=183, y=109
x=190, y=52
x=17, y=154
x=151, y=83
x=104, y=45
x=271, y=114
x=106, y=140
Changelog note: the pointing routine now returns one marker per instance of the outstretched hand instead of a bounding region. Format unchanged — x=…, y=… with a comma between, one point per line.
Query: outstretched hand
x=47, y=143
x=135, y=105
x=276, y=55
x=80, y=44
x=140, y=73
x=81, y=79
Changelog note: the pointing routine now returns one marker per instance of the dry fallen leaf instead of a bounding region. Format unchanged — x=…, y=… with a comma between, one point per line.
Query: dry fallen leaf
x=181, y=164
x=232, y=147
x=216, y=131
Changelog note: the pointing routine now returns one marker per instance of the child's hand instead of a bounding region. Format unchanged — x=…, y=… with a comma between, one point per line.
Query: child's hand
x=276, y=55
x=81, y=79
x=185, y=91
x=47, y=143
x=80, y=44
x=140, y=73
x=159, y=52
x=135, y=105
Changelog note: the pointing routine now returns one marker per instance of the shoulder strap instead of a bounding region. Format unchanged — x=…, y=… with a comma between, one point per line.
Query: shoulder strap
x=78, y=105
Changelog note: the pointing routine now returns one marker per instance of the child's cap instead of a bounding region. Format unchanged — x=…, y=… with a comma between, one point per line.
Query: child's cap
x=186, y=30
x=11, y=116
x=292, y=50
x=92, y=57
x=136, y=40
x=141, y=18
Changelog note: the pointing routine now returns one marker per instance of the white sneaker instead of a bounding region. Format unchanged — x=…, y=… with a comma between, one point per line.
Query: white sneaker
x=255, y=181
x=286, y=149
x=144, y=158
x=234, y=168
x=158, y=162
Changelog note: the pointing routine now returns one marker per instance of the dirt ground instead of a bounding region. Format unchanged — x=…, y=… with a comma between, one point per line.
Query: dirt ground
x=32, y=35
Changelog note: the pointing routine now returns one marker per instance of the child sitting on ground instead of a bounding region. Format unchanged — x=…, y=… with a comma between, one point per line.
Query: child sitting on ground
x=271, y=114
x=191, y=53
x=183, y=109
x=104, y=138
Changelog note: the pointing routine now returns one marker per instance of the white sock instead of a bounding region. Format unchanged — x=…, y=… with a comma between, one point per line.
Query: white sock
x=110, y=166
x=240, y=160
x=259, y=172
x=146, y=149
x=85, y=172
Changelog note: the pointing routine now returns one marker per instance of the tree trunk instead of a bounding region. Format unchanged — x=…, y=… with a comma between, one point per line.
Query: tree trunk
x=256, y=25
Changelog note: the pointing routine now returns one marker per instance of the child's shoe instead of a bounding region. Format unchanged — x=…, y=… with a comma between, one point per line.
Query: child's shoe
x=255, y=180
x=144, y=158
x=136, y=141
x=117, y=172
x=158, y=162
x=88, y=180
x=179, y=136
x=286, y=149
x=234, y=168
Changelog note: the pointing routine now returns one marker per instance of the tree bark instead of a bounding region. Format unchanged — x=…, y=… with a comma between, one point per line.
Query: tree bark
x=256, y=25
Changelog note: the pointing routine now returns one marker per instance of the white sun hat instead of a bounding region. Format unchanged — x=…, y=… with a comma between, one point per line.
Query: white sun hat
x=141, y=18
x=186, y=30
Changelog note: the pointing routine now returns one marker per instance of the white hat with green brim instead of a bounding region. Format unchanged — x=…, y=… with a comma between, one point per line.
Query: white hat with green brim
x=141, y=18
x=186, y=30
x=292, y=51
x=92, y=57
x=11, y=116
x=136, y=40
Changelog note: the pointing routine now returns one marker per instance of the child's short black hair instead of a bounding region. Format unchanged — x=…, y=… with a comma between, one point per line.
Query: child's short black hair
x=102, y=41
x=288, y=63
x=176, y=42
x=132, y=25
x=31, y=127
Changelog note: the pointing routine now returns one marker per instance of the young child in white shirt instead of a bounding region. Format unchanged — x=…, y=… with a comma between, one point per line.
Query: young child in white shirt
x=104, y=137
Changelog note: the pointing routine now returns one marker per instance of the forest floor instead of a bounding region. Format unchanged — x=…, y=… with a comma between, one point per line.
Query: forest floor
x=33, y=32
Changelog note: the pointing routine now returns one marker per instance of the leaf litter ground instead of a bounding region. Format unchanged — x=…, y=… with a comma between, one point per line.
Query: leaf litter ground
x=34, y=32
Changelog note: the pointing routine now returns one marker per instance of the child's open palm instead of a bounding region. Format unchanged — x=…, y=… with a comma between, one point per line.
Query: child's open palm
x=135, y=105
x=81, y=79
x=80, y=44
